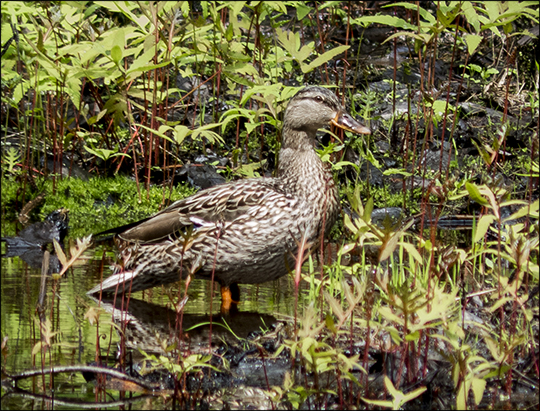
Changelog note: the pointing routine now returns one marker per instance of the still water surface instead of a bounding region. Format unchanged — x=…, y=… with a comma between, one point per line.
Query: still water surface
x=68, y=334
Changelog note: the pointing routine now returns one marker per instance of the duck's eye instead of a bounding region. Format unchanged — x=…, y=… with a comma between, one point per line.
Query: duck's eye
x=319, y=98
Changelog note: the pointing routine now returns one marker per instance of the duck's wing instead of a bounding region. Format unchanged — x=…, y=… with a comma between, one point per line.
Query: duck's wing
x=222, y=203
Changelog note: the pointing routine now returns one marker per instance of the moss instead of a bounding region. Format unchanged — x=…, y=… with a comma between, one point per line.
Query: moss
x=97, y=204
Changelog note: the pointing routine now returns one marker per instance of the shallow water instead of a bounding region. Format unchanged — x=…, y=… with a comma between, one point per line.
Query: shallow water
x=62, y=330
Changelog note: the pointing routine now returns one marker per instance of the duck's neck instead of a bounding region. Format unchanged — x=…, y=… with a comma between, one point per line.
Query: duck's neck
x=299, y=165
x=301, y=139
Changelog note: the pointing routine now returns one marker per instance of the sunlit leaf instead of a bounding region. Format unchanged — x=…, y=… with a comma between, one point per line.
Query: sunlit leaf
x=473, y=41
x=474, y=193
x=482, y=227
x=59, y=252
x=324, y=58
x=116, y=54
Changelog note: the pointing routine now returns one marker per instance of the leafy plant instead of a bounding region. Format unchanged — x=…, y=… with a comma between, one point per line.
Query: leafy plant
x=399, y=398
x=11, y=158
x=188, y=364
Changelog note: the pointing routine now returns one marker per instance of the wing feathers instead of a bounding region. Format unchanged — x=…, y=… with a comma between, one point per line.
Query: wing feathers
x=224, y=203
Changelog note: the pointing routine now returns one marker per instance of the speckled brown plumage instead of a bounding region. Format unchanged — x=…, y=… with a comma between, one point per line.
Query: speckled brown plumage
x=245, y=231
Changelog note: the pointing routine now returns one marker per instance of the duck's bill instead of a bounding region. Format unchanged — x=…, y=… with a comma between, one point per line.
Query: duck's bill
x=345, y=121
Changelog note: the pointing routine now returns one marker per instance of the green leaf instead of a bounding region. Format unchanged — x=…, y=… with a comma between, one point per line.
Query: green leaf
x=398, y=171
x=386, y=20
x=323, y=58
x=413, y=336
x=414, y=6
x=116, y=54
x=483, y=225
x=142, y=60
x=242, y=68
x=500, y=302
x=412, y=250
x=379, y=403
x=528, y=209
x=419, y=37
x=471, y=15
x=473, y=40
x=205, y=131
x=329, y=321
x=474, y=193
x=340, y=164
x=291, y=43
x=349, y=224
x=388, y=246
x=229, y=33
x=236, y=6
x=461, y=400
x=104, y=153
x=11, y=156
x=483, y=152
x=180, y=133
x=302, y=10
x=478, y=386
x=95, y=119
x=276, y=5
x=59, y=252
x=368, y=209
x=155, y=132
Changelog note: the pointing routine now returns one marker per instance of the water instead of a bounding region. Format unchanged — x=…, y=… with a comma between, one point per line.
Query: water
x=60, y=325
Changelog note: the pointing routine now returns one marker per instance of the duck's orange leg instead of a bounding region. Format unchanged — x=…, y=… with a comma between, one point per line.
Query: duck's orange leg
x=230, y=297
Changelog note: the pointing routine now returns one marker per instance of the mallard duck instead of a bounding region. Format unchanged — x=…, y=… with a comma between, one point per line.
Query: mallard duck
x=245, y=231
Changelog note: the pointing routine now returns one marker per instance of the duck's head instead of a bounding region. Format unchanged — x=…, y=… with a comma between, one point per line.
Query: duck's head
x=315, y=107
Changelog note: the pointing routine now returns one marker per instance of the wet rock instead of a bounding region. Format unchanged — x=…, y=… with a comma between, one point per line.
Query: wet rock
x=67, y=168
x=54, y=227
x=433, y=160
x=201, y=175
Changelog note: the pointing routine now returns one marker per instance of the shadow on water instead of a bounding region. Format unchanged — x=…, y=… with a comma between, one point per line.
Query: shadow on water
x=141, y=322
